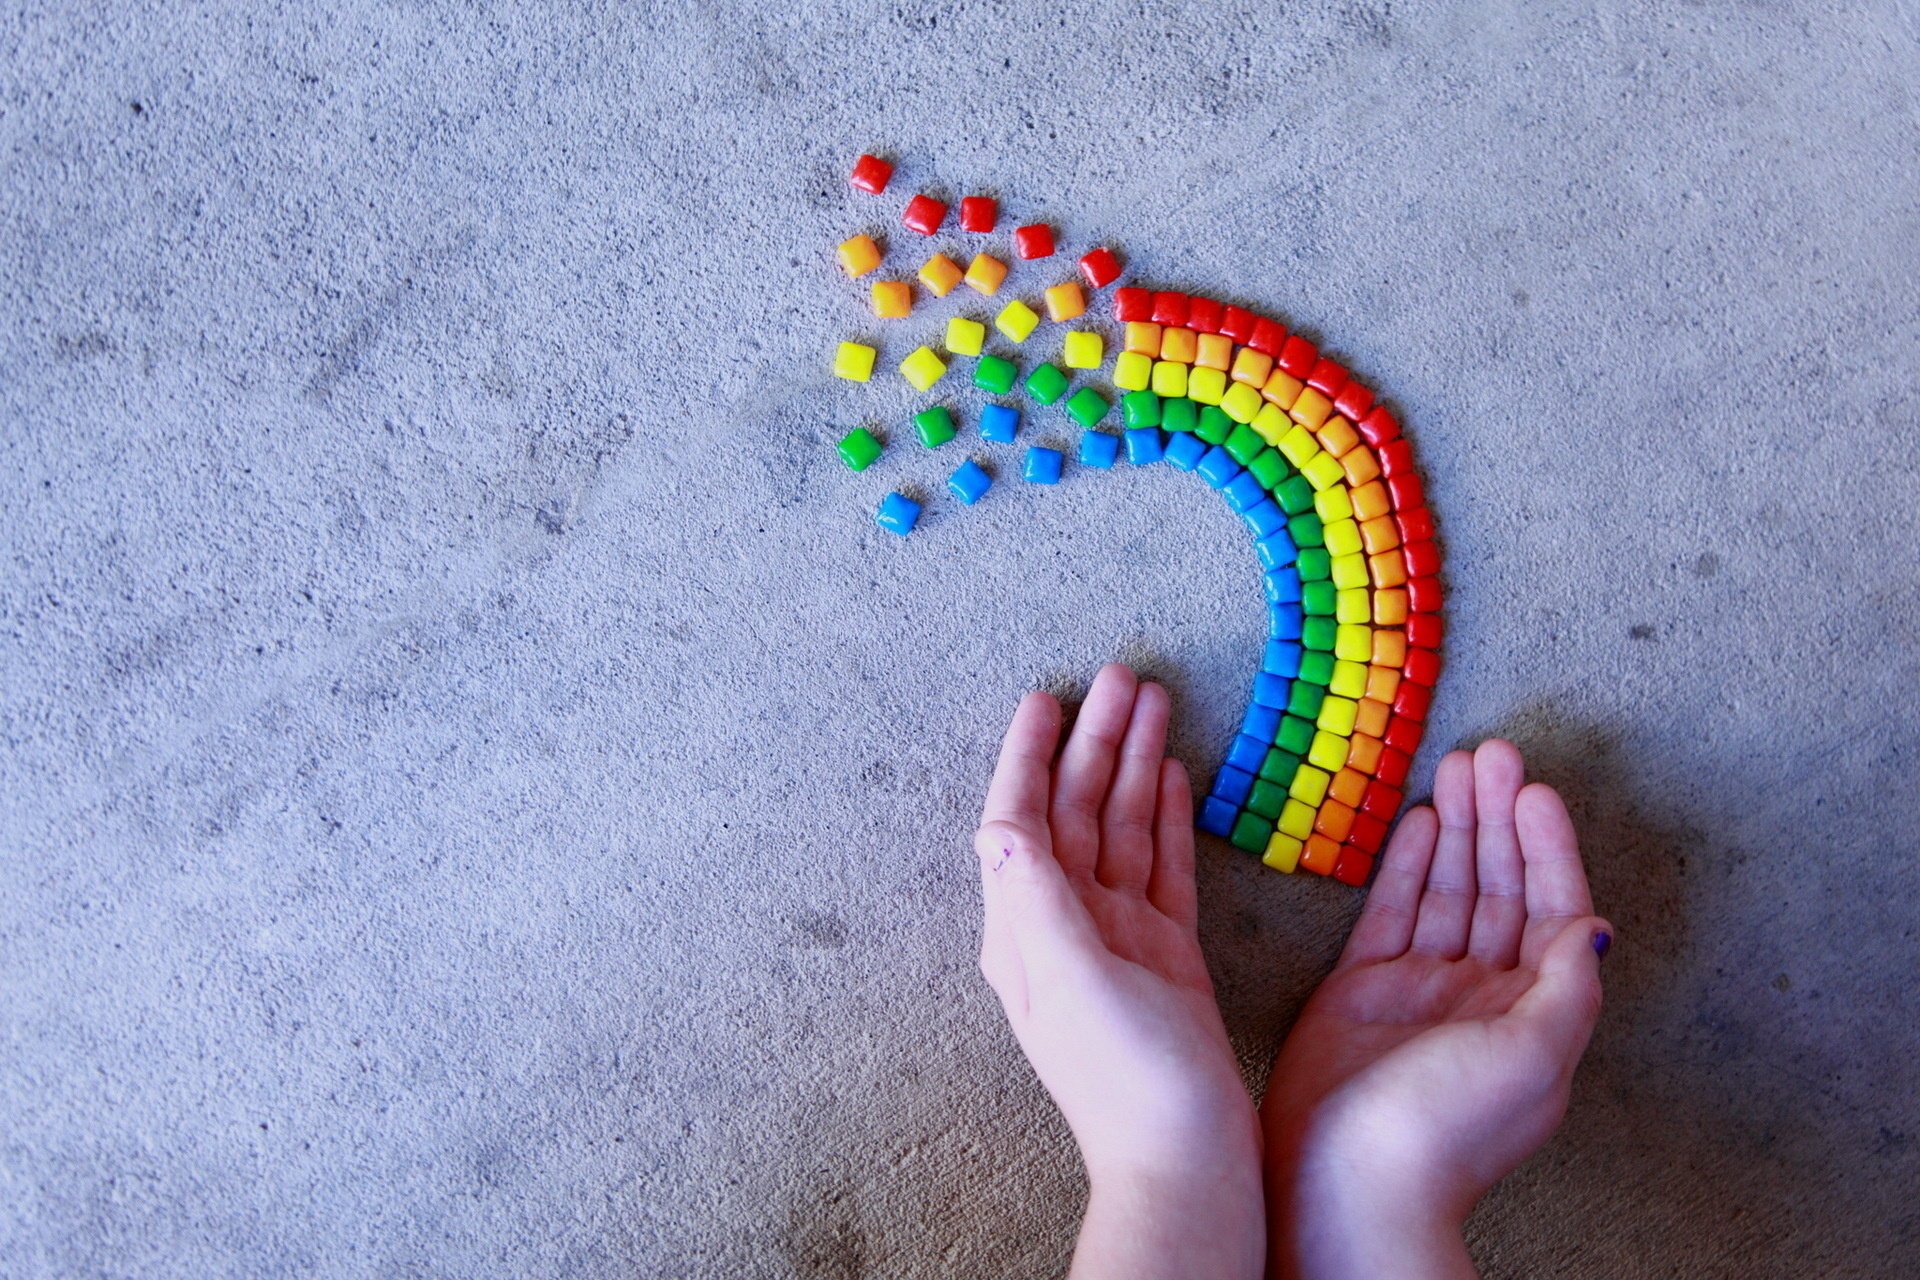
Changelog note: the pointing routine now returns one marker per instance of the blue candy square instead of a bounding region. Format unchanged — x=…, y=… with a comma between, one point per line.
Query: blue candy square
x=1043, y=465
x=1282, y=658
x=1261, y=722
x=968, y=481
x=1282, y=585
x=999, y=423
x=1284, y=621
x=1217, y=816
x=1244, y=493
x=1144, y=445
x=1218, y=468
x=1247, y=753
x=1264, y=518
x=898, y=513
x=1098, y=449
x=1232, y=785
x=1185, y=451
x=1270, y=690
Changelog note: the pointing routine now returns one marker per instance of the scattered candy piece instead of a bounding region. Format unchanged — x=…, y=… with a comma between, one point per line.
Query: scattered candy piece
x=922, y=368
x=965, y=337
x=999, y=423
x=854, y=361
x=1017, y=320
x=858, y=255
x=871, y=174
x=985, y=274
x=935, y=426
x=859, y=449
x=1100, y=267
x=924, y=214
x=892, y=299
x=898, y=514
x=1066, y=301
x=1043, y=465
x=1035, y=240
x=969, y=481
x=979, y=213
x=995, y=374
x=1083, y=349
x=1098, y=449
x=1046, y=384
x=941, y=275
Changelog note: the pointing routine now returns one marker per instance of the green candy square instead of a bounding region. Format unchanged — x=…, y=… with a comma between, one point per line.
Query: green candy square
x=1087, y=407
x=1316, y=666
x=995, y=374
x=858, y=449
x=1179, y=414
x=1142, y=409
x=1317, y=599
x=1294, y=494
x=1314, y=564
x=1305, y=703
x=1047, y=383
x=1317, y=634
x=1306, y=530
x=1270, y=468
x=1280, y=766
x=1296, y=735
x=1215, y=426
x=1252, y=833
x=935, y=426
x=1266, y=800
x=1245, y=444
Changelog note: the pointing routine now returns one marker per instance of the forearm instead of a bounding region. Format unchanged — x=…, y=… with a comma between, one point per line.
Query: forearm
x=1205, y=1226
x=1331, y=1217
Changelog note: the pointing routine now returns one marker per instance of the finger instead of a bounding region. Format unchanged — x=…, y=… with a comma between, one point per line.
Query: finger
x=1051, y=932
x=1170, y=888
x=1556, y=881
x=1126, y=821
x=1018, y=795
x=1385, y=927
x=1086, y=767
x=1563, y=1004
x=1446, y=907
x=1500, y=913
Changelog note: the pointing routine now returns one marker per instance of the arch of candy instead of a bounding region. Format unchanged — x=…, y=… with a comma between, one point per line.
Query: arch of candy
x=1299, y=448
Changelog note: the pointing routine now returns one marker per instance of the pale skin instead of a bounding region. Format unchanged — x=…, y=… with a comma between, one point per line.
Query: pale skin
x=1435, y=1057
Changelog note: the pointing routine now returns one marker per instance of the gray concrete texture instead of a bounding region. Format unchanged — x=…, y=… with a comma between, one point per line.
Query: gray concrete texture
x=481, y=798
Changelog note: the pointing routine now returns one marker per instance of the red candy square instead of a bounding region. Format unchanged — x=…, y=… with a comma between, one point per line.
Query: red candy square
x=1132, y=304
x=1423, y=559
x=979, y=213
x=1406, y=491
x=1414, y=525
x=1378, y=427
x=1412, y=700
x=1035, y=240
x=1422, y=669
x=1424, y=630
x=1100, y=267
x=1204, y=316
x=1393, y=766
x=1423, y=595
x=1354, y=400
x=1297, y=356
x=1268, y=336
x=1382, y=800
x=1395, y=457
x=1237, y=323
x=1403, y=734
x=1368, y=833
x=871, y=174
x=924, y=214
x=1352, y=866
x=1171, y=309
x=1327, y=376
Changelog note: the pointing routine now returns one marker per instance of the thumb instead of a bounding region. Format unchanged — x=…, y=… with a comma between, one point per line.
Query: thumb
x=1027, y=893
x=1564, y=1002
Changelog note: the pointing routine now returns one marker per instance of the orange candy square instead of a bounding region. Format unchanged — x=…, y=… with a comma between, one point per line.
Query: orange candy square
x=1363, y=756
x=1360, y=466
x=1179, y=345
x=1389, y=569
x=1349, y=786
x=1334, y=820
x=1283, y=389
x=1338, y=436
x=1370, y=501
x=1389, y=648
x=1320, y=854
x=1382, y=683
x=1379, y=534
x=1252, y=367
x=1214, y=351
x=1390, y=608
x=1371, y=716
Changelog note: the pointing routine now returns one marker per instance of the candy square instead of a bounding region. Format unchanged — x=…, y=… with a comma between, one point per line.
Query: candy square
x=1282, y=389
x=1206, y=386
x=859, y=449
x=1214, y=426
x=985, y=274
x=1179, y=415
x=979, y=213
x=1098, y=449
x=1100, y=267
x=892, y=299
x=1355, y=400
x=999, y=423
x=995, y=374
x=941, y=275
x=1212, y=350
x=1171, y=308
x=1087, y=407
x=1337, y=436
x=1043, y=465
x=1134, y=372
x=935, y=426
x=1311, y=408
x=967, y=337
x=1177, y=343
x=1252, y=367
x=1046, y=384
x=858, y=255
x=1251, y=833
x=1169, y=379
x=1132, y=304
x=1140, y=409
x=1066, y=301
x=1283, y=852
x=922, y=368
x=898, y=514
x=1142, y=336
x=1083, y=349
x=1268, y=336
x=853, y=361
x=1327, y=376
x=1203, y=316
x=1184, y=450
x=1216, y=817
x=1297, y=355
x=924, y=214
x=871, y=174
x=969, y=481
x=1017, y=320
x=1145, y=445
x=1241, y=402
x=1035, y=240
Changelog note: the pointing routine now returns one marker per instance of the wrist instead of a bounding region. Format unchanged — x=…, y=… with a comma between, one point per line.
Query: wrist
x=1204, y=1217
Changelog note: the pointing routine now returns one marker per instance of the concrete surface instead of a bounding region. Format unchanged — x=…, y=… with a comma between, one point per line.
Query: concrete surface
x=482, y=799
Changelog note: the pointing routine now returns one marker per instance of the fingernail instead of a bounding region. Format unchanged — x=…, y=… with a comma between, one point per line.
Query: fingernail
x=1006, y=851
x=1601, y=942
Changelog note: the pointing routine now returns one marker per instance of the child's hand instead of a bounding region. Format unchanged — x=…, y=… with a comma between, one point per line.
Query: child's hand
x=1438, y=1054
x=1087, y=869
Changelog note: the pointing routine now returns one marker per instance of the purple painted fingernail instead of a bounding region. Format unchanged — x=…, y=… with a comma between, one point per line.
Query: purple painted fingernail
x=1601, y=942
x=1006, y=851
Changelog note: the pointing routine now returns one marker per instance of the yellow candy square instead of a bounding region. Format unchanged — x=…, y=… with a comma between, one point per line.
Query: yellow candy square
x=985, y=274
x=1299, y=446
x=966, y=337
x=1353, y=605
x=1215, y=351
x=923, y=368
x=1353, y=642
x=1296, y=819
x=1132, y=371
x=1349, y=679
x=1329, y=751
x=1018, y=320
x=1242, y=403
x=941, y=274
x=1252, y=367
x=858, y=255
x=1282, y=389
x=1310, y=785
x=1178, y=344
x=1350, y=570
x=1273, y=424
x=1083, y=349
x=1283, y=851
x=892, y=299
x=1310, y=408
x=1343, y=536
x=1143, y=336
x=1333, y=504
x=1322, y=470
x=1066, y=301
x=1206, y=386
x=1338, y=715
x=1169, y=379
x=854, y=362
